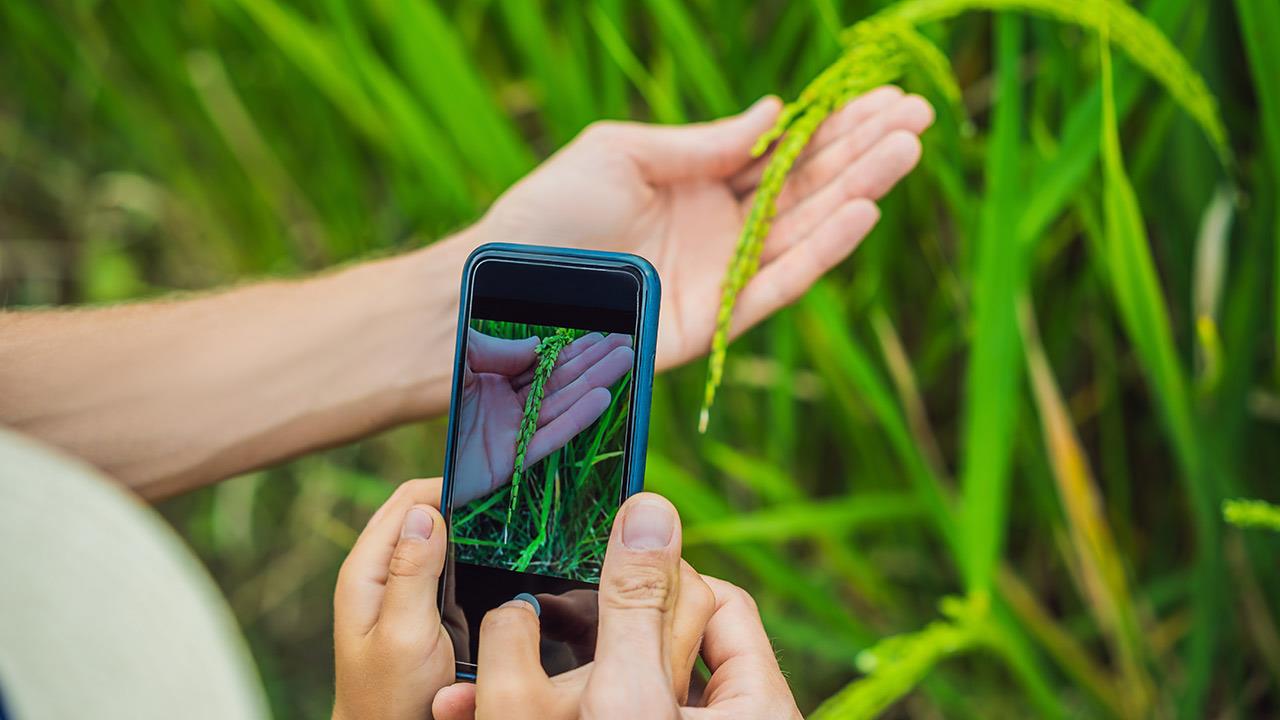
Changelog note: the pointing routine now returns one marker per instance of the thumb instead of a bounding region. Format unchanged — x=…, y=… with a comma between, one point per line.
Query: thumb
x=488, y=354
x=667, y=153
x=414, y=573
x=639, y=585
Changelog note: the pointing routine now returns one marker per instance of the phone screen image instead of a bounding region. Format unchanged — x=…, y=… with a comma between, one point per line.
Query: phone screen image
x=545, y=462
x=544, y=444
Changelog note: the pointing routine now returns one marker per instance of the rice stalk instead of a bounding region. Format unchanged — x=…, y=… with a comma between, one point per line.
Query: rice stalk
x=880, y=49
x=1252, y=514
x=547, y=351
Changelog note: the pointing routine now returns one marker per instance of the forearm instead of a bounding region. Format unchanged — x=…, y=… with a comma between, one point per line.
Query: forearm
x=172, y=395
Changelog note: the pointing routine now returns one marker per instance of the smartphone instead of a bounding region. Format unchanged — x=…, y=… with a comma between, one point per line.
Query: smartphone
x=548, y=425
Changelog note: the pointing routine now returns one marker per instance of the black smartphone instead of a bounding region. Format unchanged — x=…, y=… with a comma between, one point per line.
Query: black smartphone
x=547, y=433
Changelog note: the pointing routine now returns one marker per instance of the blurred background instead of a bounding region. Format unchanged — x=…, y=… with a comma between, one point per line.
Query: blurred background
x=150, y=148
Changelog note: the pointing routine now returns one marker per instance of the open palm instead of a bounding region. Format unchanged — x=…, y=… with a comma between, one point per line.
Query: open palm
x=678, y=197
x=496, y=384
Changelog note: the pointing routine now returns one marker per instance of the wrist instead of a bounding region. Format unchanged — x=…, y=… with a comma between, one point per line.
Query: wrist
x=422, y=290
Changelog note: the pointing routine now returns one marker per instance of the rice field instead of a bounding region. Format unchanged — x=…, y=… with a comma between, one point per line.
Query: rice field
x=977, y=471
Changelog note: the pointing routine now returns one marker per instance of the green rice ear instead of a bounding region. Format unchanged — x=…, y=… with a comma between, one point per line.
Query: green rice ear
x=880, y=49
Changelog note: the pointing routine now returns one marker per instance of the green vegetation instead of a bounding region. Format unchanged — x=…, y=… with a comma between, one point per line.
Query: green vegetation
x=559, y=524
x=1252, y=514
x=547, y=352
x=1033, y=386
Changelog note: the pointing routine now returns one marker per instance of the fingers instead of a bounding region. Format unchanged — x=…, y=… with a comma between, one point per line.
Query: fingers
x=834, y=127
x=639, y=585
x=741, y=658
x=509, y=672
x=362, y=579
x=734, y=630
x=870, y=176
x=552, y=436
x=455, y=702
x=602, y=374
x=571, y=351
x=413, y=574
x=487, y=354
x=704, y=150
x=784, y=280
x=568, y=369
x=693, y=609
x=910, y=114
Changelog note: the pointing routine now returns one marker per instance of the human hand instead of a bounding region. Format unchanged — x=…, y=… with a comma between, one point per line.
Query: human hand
x=495, y=386
x=391, y=653
x=650, y=602
x=678, y=195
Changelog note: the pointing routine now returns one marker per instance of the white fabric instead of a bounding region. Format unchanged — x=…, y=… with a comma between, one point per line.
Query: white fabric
x=104, y=612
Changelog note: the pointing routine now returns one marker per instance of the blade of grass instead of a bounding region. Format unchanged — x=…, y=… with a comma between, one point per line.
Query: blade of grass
x=993, y=379
x=689, y=46
x=1259, y=23
x=662, y=104
x=1141, y=305
x=1105, y=584
x=437, y=67
x=807, y=519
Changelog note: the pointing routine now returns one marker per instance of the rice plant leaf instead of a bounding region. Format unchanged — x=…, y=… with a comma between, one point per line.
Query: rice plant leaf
x=566, y=93
x=1142, y=311
x=696, y=63
x=1260, y=27
x=437, y=67
x=662, y=104
x=1128, y=30
x=994, y=378
x=385, y=112
x=807, y=519
x=1106, y=587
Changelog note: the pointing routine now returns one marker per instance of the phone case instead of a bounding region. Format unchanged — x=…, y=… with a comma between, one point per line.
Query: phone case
x=646, y=342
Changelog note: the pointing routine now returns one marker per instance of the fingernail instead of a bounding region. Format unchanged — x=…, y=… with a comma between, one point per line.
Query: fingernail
x=418, y=524
x=524, y=599
x=648, y=525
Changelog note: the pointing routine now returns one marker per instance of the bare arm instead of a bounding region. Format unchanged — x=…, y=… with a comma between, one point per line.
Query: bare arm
x=168, y=396
x=173, y=395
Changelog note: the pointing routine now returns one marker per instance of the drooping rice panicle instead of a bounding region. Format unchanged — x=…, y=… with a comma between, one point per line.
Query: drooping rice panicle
x=864, y=65
x=547, y=352
x=878, y=50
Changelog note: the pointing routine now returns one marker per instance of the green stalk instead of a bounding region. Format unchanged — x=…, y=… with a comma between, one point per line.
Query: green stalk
x=547, y=352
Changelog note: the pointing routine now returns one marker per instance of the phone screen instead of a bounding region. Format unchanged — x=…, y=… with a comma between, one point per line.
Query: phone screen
x=541, y=440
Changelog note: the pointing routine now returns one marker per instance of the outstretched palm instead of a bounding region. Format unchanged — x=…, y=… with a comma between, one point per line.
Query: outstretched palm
x=678, y=195
x=496, y=384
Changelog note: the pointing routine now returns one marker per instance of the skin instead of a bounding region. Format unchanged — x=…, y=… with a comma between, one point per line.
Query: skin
x=494, y=390
x=640, y=649
x=173, y=395
x=392, y=654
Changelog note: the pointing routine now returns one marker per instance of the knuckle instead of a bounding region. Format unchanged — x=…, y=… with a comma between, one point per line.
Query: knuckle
x=601, y=131
x=734, y=593
x=641, y=586
x=407, y=562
